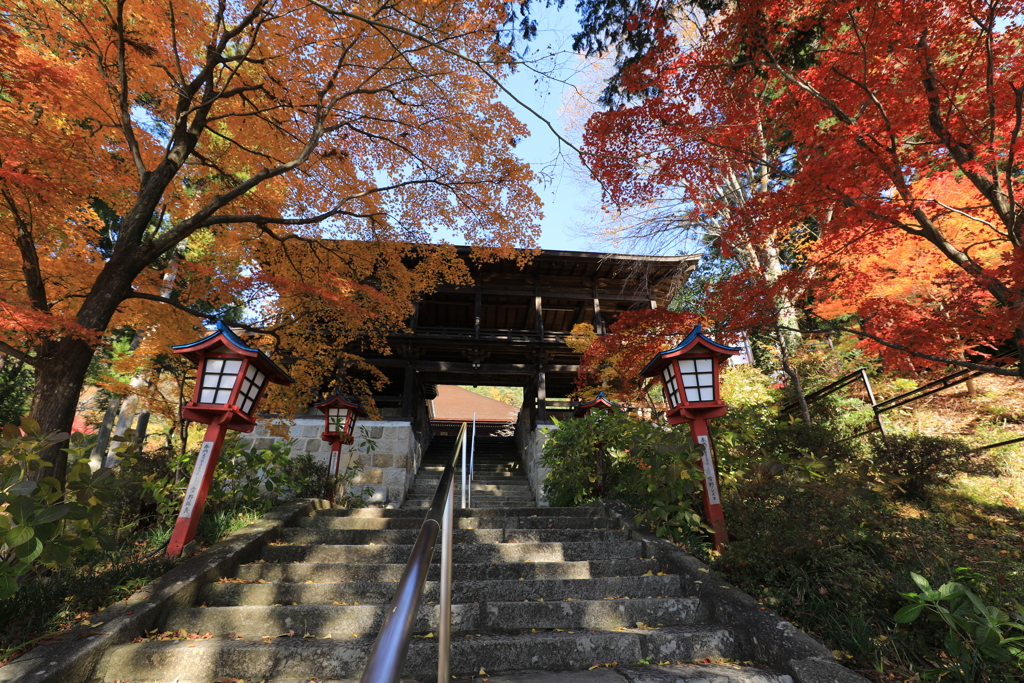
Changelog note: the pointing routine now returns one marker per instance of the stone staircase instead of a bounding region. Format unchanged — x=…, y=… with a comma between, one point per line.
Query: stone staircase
x=537, y=590
x=499, y=479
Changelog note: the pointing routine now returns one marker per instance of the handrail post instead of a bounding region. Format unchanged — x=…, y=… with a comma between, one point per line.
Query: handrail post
x=444, y=628
x=472, y=451
x=463, y=466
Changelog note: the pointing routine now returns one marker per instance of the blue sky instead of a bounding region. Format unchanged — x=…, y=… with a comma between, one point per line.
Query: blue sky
x=571, y=203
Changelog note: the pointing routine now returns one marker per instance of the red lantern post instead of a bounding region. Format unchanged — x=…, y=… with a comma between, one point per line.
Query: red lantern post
x=689, y=375
x=339, y=424
x=230, y=382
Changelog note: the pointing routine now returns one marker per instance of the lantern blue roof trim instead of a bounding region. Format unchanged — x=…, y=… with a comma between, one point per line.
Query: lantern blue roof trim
x=686, y=342
x=223, y=329
x=597, y=400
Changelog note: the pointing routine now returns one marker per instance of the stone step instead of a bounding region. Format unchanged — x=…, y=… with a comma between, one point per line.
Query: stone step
x=519, y=496
x=490, y=617
x=485, y=489
x=501, y=504
x=691, y=673
x=516, y=481
x=435, y=475
x=496, y=552
x=464, y=512
x=231, y=593
x=469, y=536
x=476, y=486
x=500, y=571
x=463, y=523
x=488, y=469
x=342, y=656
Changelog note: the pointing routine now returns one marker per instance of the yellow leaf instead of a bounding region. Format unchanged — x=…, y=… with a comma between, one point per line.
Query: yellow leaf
x=482, y=673
x=970, y=536
x=649, y=573
x=429, y=635
x=327, y=636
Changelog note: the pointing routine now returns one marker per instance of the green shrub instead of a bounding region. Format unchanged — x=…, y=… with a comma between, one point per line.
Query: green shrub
x=799, y=544
x=653, y=468
x=42, y=523
x=582, y=456
x=910, y=463
x=981, y=643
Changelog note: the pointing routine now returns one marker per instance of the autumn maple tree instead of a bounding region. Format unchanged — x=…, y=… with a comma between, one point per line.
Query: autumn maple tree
x=166, y=161
x=612, y=362
x=889, y=133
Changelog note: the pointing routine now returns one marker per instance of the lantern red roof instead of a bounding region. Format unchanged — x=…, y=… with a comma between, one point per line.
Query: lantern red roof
x=224, y=340
x=599, y=403
x=695, y=342
x=339, y=401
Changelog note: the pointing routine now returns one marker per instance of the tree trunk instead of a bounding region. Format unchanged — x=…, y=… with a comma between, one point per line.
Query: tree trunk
x=798, y=387
x=59, y=380
x=103, y=436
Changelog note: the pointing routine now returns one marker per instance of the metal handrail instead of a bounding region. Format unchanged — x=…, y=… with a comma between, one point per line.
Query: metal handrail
x=387, y=659
x=472, y=469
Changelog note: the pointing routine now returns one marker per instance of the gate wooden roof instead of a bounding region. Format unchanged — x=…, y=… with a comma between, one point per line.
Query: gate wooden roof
x=509, y=327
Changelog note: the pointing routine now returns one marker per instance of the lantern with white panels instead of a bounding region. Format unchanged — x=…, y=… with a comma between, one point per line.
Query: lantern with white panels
x=340, y=415
x=689, y=374
x=232, y=378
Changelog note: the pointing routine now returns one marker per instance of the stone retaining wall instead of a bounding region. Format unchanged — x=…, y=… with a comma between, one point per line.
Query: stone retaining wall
x=388, y=469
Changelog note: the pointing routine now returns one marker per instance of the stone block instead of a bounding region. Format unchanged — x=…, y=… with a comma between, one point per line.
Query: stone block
x=310, y=432
x=369, y=476
x=401, y=460
x=264, y=443
x=394, y=478
x=383, y=460
x=375, y=432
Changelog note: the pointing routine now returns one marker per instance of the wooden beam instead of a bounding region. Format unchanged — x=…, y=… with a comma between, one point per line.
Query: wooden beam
x=542, y=395
x=538, y=311
x=517, y=288
x=598, y=320
x=478, y=308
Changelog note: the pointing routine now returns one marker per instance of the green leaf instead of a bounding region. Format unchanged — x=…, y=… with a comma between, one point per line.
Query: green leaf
x=45, y=532
x=55, y=554
x=8, y=586
x=20, y=507
x=30, y=426
x=909, y=613
x=922, y=583
x=24, y=488
x=18, y=535
x=50, y=514
x=27, y=552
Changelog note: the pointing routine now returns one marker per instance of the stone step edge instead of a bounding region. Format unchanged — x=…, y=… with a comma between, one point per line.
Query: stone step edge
x=626, y=643
x=636, y=585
